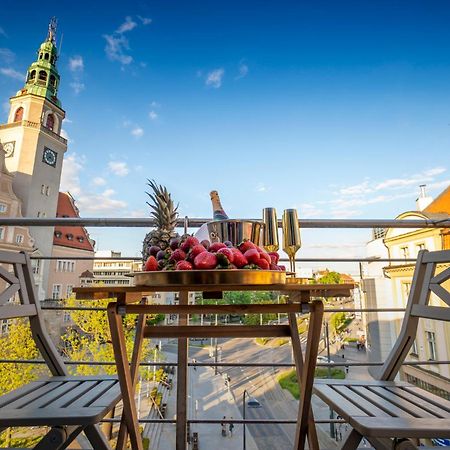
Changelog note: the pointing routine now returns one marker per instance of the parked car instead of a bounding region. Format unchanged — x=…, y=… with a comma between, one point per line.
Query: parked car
x=323, y=359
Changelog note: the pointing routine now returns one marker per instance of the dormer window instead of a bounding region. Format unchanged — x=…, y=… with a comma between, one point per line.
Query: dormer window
x=69, y=236
x=58, y=234
x=80, y=239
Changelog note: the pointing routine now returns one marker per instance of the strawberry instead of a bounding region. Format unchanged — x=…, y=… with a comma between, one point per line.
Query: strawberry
x=196, y=250
x=226, y=252
x=263, y=264
x=274, y=257
x=266, y=256
x=239, y=260
x=188, y=243
x=215, y=246
x=177, y=255
x=252, y=256
x=151, y=265
x=246, y=245
x=183, y=265
x=205, y=261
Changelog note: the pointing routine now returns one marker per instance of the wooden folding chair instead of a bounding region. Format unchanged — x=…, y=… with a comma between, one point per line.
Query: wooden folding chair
x=395, y=414
x=66, y=404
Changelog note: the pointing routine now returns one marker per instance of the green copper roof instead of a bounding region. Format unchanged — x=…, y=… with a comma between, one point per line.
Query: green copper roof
x=42, y=75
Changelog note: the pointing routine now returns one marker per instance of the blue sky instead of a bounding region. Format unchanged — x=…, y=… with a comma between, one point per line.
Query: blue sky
x=340, y=109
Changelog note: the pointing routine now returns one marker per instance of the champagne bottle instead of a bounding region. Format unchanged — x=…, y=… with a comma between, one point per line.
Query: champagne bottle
x=218, y=212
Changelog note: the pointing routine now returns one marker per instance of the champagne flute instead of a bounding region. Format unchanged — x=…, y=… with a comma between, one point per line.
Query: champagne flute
x=291, y=235
x=270, y=233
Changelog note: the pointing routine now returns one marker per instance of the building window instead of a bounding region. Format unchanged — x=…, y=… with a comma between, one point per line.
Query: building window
x=36, y=265
x=47, y=191
x=43, y=75
x=69, y=290
x=414, y=350
x=2, y=208
x=431, y=339
x=53, y=80
x=406, y=287
x=19, y=239
x=2, y=232
x=18, y=116
x=46, y=56
x=404, y=252
x=419, y=247
x=4, y=325
x=56, y=292
x=42, y=189
x=65, y=266
x=50, y=122
x=32, y=75
x=69, y=236
x=67, y=317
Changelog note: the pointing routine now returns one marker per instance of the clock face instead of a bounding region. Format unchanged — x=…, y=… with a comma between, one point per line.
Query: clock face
x=9, y=148
x=49, y=157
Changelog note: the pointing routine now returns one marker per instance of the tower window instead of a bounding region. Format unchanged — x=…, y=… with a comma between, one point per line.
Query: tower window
x=50, y=122
x=53, y=80
x=43, y=75
x=46, y=56
x=52, y=60
x=40, y=55
x=32, y=75
x=18, y=115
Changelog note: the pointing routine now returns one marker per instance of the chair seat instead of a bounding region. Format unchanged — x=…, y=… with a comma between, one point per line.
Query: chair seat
x=387, y=408
x=61, y=400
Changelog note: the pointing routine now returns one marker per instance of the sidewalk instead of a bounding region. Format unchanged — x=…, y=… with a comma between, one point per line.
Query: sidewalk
x=208, y=399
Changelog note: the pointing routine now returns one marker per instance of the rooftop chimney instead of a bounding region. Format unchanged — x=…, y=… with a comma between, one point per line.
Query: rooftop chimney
x=423, y=201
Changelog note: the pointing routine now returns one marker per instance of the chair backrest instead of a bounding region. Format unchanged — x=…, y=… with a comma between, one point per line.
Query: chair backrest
x=20, y=281
x=431, y=271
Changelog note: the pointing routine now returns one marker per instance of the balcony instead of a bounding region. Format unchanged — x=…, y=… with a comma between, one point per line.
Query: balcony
x=228, y=377
x=37, y=126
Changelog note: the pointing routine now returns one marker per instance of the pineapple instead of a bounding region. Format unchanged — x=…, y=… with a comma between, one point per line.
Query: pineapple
x=165, y=213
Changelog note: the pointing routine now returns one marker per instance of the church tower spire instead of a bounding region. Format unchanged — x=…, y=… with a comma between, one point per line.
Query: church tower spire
x=42, y=75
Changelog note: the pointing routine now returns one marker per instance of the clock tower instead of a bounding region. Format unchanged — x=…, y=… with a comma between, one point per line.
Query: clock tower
x=34, y=146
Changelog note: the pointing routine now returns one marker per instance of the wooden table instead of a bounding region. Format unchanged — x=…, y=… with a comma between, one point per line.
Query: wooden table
x=300, y=299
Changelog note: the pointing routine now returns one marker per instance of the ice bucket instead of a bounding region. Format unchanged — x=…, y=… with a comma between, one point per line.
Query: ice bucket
x=235, y=231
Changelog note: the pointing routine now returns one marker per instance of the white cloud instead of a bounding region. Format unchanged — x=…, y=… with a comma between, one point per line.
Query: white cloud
x=261, y=187
x=154, y=104
x=77, y=87
x=128, y=25
x=88, y=203
x=99, y=181
x=118, y=168
x=357, y=189
x=12, y=73
x=138, y=213
x=152, y=115
x=67, y=120
x=6, y=55
x=76, y=63
x=145, y=20
x=137, y=131
x=116, y=47
x=3, y=32
x=65, y=135
x=243, y=71
x=214, y=78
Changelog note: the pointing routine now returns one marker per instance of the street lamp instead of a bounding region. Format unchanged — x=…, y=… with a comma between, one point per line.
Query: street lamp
x=243, y=417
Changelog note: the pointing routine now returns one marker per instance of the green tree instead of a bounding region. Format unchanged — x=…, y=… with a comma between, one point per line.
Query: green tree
x=330, y=278
x=89, y=339
x=18, y=343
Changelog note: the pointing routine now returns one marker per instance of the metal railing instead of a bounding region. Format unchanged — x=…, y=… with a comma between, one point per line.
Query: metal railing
x=196, y=222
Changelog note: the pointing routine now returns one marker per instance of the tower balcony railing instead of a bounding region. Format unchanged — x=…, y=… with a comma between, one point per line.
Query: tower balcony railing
x=189, y=223
x=36, y=125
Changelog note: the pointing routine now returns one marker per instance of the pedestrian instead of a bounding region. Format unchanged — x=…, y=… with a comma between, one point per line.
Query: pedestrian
x=231, y=427
x=346, y=369
x=224, y=427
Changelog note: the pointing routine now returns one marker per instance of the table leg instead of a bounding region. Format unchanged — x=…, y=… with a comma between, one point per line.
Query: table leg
x=135, y=358
x=181, y=437
x=307, y=378
x=124, y=375
x=299, y=363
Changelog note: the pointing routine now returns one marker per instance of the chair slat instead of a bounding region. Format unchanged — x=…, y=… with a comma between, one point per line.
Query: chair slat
x=380, y=402
x=52, y=396
x=109, y=397
x=362, y=403
x=93, y=394
x=345, y=407
x=402, y=403
x=10, y=396
x=429, y=397
x=441, y=277
x=12, y=311
x=442, y=293
x=438, y=412
x=77, y=389
x=431, y=312
x=437, y=257
x=27, y=398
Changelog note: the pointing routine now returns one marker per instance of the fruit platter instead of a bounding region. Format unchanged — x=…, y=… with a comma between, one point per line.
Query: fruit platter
x=187, y=261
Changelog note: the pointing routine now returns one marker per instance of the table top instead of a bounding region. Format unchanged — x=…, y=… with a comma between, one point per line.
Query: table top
x=135, y=293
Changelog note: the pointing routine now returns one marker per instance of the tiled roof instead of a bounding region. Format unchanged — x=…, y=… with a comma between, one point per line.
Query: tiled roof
x=73, y=237
x=441, y=204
